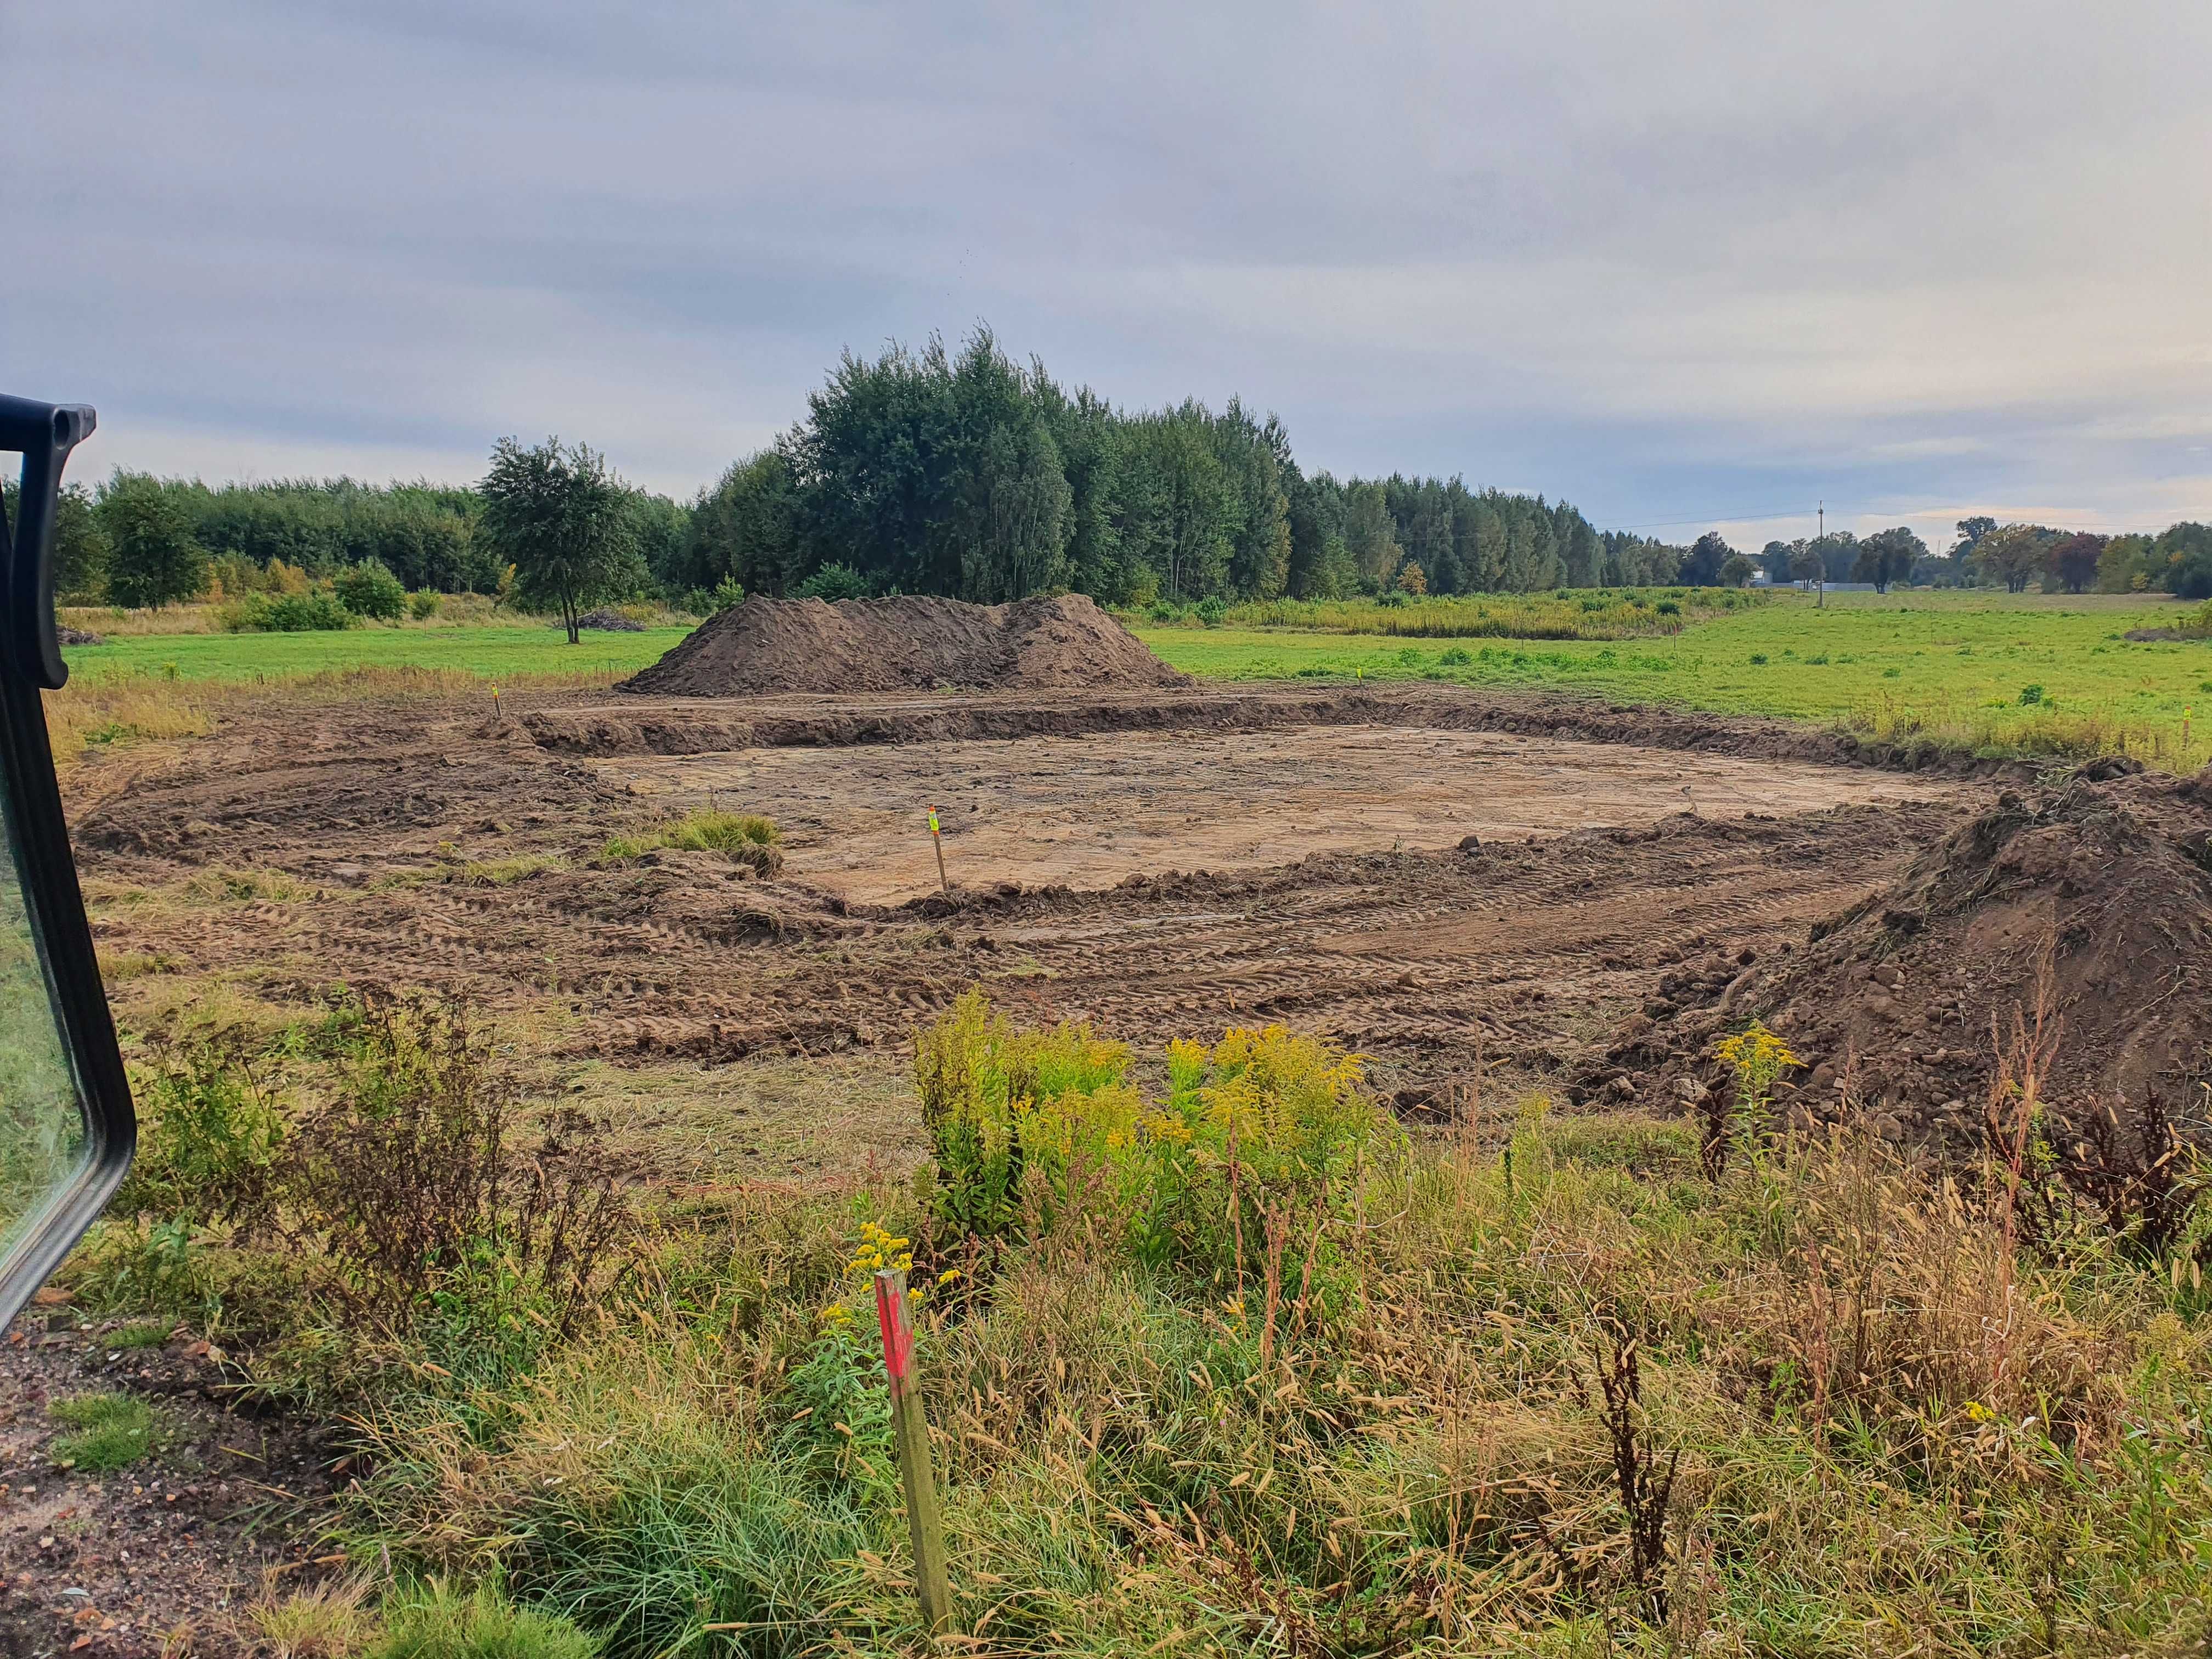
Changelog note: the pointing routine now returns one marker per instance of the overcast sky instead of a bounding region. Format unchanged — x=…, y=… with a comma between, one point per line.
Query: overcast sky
x=1682, y=265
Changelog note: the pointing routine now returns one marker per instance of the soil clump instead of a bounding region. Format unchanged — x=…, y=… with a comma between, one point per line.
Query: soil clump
x=766, y=646
x=2099, y=889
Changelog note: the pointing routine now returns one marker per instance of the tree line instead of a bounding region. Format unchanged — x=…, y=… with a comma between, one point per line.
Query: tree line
x=2176, y=561
x=938, y=470
x=1987, y=554
x=963, y=472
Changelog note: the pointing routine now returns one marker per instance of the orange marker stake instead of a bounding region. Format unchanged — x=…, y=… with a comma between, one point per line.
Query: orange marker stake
x=937, y=840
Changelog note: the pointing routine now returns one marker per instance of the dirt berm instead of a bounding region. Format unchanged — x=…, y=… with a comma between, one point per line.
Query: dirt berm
x=766, y=646
x=1894, y=999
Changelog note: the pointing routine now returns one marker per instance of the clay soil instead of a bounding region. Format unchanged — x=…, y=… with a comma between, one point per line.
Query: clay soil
x=1159, y=863
x=767, y=645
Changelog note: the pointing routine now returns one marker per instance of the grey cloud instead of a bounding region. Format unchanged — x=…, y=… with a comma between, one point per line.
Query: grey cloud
x=1661, y=260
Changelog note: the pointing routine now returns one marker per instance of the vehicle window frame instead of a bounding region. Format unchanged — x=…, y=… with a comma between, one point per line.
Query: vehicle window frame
x=46, y=868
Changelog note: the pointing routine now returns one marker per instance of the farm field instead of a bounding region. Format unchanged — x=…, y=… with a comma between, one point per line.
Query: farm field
x=1954, y=665
x=1359, y=1379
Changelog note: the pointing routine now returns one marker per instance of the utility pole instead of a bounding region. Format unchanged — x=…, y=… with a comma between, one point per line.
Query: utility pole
x=1821, y=603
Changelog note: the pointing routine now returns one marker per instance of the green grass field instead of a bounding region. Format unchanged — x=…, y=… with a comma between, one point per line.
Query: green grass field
x=496, y=652
x=2001, y=673
x=1953, y=666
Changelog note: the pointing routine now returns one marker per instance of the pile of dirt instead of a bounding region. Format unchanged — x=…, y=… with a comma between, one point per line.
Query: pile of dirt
x=1892, y=1002
x=767, y=646
x=609, y=621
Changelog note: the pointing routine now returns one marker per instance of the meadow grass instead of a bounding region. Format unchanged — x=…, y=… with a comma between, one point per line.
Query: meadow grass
x=1564, y=614
x=741, y=837
x=2030, y=673
x=1870, y=1428
x=1978, y=672
x=1217, y=1357
x=505, y=652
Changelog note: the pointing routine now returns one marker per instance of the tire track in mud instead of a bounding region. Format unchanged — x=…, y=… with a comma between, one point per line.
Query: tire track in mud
x=1426, y=960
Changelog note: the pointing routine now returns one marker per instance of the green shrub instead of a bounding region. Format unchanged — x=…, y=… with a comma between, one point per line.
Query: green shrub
x=833, y=581
x=1667, y=608
x=424, y=605
x=1457, y=657
x=209, y=1137
x=1003, y=1106
x=440, y=1623
x=2030, y=696
x=1210, y=611
x=318, y=612
x=113, y=1431
x=369, y=589
x=1257, y=1134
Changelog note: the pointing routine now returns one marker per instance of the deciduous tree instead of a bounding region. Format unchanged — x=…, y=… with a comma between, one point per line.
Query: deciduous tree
x=2184, y=554
x=2013, y=553
x=2073, y=560
x=153, y=559
x=564, y=520
x=1888, y=557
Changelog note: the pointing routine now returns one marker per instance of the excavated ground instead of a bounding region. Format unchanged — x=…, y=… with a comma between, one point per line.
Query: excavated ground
x=1160, y=863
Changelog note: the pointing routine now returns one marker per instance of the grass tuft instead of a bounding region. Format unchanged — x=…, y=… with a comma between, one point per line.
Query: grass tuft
x=741, y=837
x=327, y=1621
x=443, y=1623
x=113, y=1431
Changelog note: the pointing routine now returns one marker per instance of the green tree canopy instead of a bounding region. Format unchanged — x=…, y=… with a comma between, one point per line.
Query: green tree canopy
x=2184, y=554
x=2013, y=553
x=1888, y=557
x=566, y=525
x=153, y=559
x=2073, y=560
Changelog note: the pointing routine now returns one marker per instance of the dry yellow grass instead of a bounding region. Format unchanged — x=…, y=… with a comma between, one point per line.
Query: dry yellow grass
x=83, y=718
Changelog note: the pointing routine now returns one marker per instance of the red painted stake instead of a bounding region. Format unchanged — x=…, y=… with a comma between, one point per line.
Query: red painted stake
x=895, y=1317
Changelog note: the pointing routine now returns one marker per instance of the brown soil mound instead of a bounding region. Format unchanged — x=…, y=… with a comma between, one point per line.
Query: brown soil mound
x=767, y=646
x=1894, y=998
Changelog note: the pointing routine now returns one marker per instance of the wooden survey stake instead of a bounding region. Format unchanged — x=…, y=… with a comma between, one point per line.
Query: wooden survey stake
x=937, y=840
x=911, y=1430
